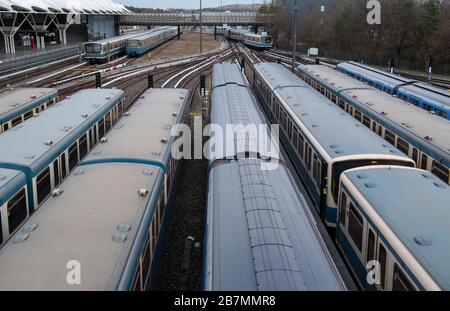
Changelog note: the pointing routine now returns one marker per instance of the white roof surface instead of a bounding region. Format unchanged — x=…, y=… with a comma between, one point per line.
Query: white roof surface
x=67, y=6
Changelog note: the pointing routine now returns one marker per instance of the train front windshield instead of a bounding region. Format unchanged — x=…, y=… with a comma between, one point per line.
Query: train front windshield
x=268, y=39
x=340, y=167
x=93, y=48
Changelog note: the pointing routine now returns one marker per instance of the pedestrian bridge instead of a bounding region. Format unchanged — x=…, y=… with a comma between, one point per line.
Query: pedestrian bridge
x=208, y=18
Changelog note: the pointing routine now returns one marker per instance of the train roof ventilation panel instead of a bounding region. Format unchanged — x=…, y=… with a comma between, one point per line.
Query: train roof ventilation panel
x=142, y=192
x=384, y=113
x=57, y=192
x=21, y=238
x=119, y=237
x=28, y=228
x=124, y=227
x=422, y=241
x=104, y=140
x=164, y=140
x=429, y=137
x=85, y=115
x=49, y=142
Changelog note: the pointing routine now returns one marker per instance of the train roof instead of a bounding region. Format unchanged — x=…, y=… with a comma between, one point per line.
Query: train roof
x=234, y=104
x=413, y=121
x=155, y=112
x=227, y=74
x=17, y=101
x=440, y=97
x=60, y=124
x=414, y=204
x=153, y=32
x=11, y=181
x=261, y=233
x=118, y=38
x=334, y=130
x=80, y=225
x=374, y=74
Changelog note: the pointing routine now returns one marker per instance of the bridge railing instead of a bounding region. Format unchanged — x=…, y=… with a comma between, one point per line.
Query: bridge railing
x=207, y=18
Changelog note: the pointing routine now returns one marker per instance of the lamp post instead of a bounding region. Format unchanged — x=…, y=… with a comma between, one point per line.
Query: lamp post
x=201, y=31
x=294, y=45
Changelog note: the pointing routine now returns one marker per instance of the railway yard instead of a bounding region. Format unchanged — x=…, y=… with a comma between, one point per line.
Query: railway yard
x=304, y=226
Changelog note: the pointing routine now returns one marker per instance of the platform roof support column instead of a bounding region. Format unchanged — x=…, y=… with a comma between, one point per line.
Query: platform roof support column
x=62, y=27
x=10, y=30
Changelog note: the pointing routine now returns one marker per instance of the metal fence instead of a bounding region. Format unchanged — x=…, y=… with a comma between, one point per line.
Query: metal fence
x=29, y=60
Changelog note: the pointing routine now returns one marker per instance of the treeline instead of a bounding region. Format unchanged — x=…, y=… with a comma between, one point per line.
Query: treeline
x=410, y=31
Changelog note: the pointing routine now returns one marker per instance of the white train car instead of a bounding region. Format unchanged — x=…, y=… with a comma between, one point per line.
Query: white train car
x=109, y=217
x=260, y=233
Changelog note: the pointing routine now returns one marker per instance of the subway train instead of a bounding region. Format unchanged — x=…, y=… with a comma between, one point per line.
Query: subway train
x=106, y=49
x=110, y=215
x=430, y=98
x=260, y=234
x=259, y=40
x=39, y=154
x=141, y=44
x=393, y=228
x=20, y=104
x=422, y=136
x=322, y=140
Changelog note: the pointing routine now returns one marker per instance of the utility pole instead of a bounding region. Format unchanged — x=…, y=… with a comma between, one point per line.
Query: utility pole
x=201, y=31
x=294, y=45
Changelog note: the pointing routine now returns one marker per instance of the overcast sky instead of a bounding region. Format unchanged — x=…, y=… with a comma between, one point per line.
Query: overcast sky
x=182, y=4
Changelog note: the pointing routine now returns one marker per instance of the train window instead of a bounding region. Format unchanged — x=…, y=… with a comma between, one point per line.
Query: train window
x=355, y=226
x=343, y=209
x=333, y=98
x=374, y=126
x=300, y=145
x=307, y=156
x=154, y=234
x=400, y=282
x=370, y=246
x=366, y=121
x=63, y=166
x=5, y=127
x=1, y=229
x=73, y=156
x=382, y=257
x=440, y=171
x=380, y=130
x=341, y=104
x=389, y=136
x=108, y=121
x=358, y=115
x=424, y=162
x=83, y=146
x=137, y=280
x=17, y=210
x=295, y=138
x=16, y=121
x=101, y=128
x=315, y=168
x=403, y=146
x=28, y=115
x=43, y=185
x=146, y=262
x=56, y=172
x=415, y=156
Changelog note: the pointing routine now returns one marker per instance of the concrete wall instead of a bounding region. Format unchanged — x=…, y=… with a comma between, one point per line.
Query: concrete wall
x=100, y=27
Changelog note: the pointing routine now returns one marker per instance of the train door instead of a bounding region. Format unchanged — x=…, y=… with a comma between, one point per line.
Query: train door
x=323, y=190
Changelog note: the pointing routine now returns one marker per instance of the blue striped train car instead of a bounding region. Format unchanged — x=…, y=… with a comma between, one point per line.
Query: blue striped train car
x=139, y=45
x=111, y=214
x=20, y=104
x=424, y=137
x=393, y=228
x=46, y=148
x=427, y=97
x=321, y=139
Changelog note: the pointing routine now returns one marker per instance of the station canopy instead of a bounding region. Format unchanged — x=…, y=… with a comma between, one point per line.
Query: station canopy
x=97, y=7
